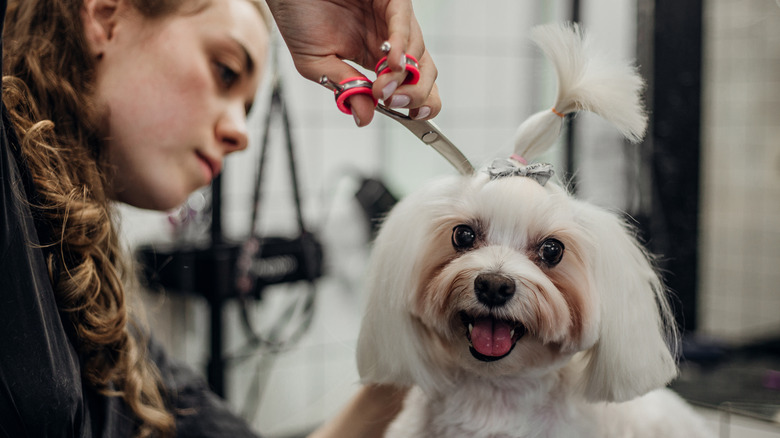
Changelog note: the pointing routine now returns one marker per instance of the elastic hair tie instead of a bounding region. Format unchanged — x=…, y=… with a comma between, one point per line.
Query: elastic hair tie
x=561, y=115
x=519, y=159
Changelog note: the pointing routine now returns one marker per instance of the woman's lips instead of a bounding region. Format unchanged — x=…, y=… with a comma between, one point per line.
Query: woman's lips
x=211, y=166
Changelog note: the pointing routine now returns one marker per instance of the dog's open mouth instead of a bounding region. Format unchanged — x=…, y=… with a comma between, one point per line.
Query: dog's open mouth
x=491, y=339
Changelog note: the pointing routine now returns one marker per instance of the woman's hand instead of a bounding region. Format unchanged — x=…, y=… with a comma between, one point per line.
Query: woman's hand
x=322, y=34
x=367, y=415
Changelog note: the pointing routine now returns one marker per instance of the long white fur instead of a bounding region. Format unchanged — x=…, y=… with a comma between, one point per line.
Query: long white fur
x=634, y=335
x=389, y=349
x=587, y=81
x=605, y=382
x=574, y=395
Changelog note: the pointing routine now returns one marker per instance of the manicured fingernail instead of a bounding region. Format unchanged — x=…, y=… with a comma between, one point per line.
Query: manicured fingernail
x=356, y=118
x=399, y=101
x=403, y=62
x=423, y=112
x=389, y=89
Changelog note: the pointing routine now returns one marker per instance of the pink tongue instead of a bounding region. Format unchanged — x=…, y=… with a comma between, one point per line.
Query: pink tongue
x=490, y=337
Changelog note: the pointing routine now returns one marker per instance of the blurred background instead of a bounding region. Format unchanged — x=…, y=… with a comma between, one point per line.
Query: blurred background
x=704, y=190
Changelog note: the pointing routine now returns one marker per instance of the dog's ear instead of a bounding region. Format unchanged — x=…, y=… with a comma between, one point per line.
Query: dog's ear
x=391, y=347
x=632, y=355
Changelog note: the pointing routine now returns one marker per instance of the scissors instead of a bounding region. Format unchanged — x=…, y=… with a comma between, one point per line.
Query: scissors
x=426, y=131
x=431, y=135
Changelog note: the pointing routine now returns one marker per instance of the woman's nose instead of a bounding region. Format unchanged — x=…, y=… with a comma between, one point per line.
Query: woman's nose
x=231, y=129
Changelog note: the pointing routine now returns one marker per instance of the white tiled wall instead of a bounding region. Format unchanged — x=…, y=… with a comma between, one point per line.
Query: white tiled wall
x=740, y=240
x=490, y=78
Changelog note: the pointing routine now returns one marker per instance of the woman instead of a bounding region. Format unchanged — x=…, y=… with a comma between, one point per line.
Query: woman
x=139, y=101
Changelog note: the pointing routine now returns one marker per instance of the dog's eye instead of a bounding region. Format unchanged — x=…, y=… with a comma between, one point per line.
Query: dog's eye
x=463, y=237
x=551, y=251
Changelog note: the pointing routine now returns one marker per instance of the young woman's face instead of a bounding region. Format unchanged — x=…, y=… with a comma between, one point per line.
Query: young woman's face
x=176, y=93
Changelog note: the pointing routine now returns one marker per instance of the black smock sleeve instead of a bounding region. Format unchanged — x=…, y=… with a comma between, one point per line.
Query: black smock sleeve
x=40, y=384
x=39, y=368
x=200, y=413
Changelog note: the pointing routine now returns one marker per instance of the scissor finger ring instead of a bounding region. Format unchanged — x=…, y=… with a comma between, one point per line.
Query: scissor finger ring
x=348, y=88
x=410, y=64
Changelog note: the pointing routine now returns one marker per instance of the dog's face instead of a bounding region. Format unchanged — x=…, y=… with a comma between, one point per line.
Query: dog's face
x=503, y=284
x=504, y=277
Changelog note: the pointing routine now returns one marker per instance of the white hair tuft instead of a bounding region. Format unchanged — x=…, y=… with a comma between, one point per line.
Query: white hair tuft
x=587, y=81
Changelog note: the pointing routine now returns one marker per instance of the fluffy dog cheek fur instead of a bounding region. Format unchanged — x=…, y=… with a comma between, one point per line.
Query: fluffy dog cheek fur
x=442, y=295
x=435, y=286
x=446, y=277
x=572, y=278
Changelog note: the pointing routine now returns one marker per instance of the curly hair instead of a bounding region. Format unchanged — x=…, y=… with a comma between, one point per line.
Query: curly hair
x=48, y=82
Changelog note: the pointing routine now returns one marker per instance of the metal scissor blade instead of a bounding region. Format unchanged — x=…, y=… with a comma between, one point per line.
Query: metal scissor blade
x=430, y=134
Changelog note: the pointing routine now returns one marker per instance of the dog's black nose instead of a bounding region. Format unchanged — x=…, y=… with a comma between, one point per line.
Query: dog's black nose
x=493, y=290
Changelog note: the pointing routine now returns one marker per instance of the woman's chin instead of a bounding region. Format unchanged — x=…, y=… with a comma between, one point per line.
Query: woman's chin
x=159, y=200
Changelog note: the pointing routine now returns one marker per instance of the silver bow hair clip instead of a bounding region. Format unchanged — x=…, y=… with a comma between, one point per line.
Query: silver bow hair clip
x=539, y=172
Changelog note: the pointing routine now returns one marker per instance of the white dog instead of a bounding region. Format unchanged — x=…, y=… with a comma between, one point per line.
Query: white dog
x=516, y=310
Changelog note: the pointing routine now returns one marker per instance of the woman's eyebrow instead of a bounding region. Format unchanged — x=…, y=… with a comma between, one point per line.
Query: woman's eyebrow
x=250, y=62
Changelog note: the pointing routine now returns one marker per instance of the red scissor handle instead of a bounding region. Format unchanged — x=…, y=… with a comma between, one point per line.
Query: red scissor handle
x=351, y=87
x=411, y=66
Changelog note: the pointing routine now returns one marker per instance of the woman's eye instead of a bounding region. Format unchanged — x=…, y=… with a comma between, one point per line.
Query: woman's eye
x=227, y=76
x=463, y=237
x=551, y=251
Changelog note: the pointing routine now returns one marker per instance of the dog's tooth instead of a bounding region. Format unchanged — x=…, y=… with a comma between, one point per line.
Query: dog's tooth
x=512, y=333
x=471, y=327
